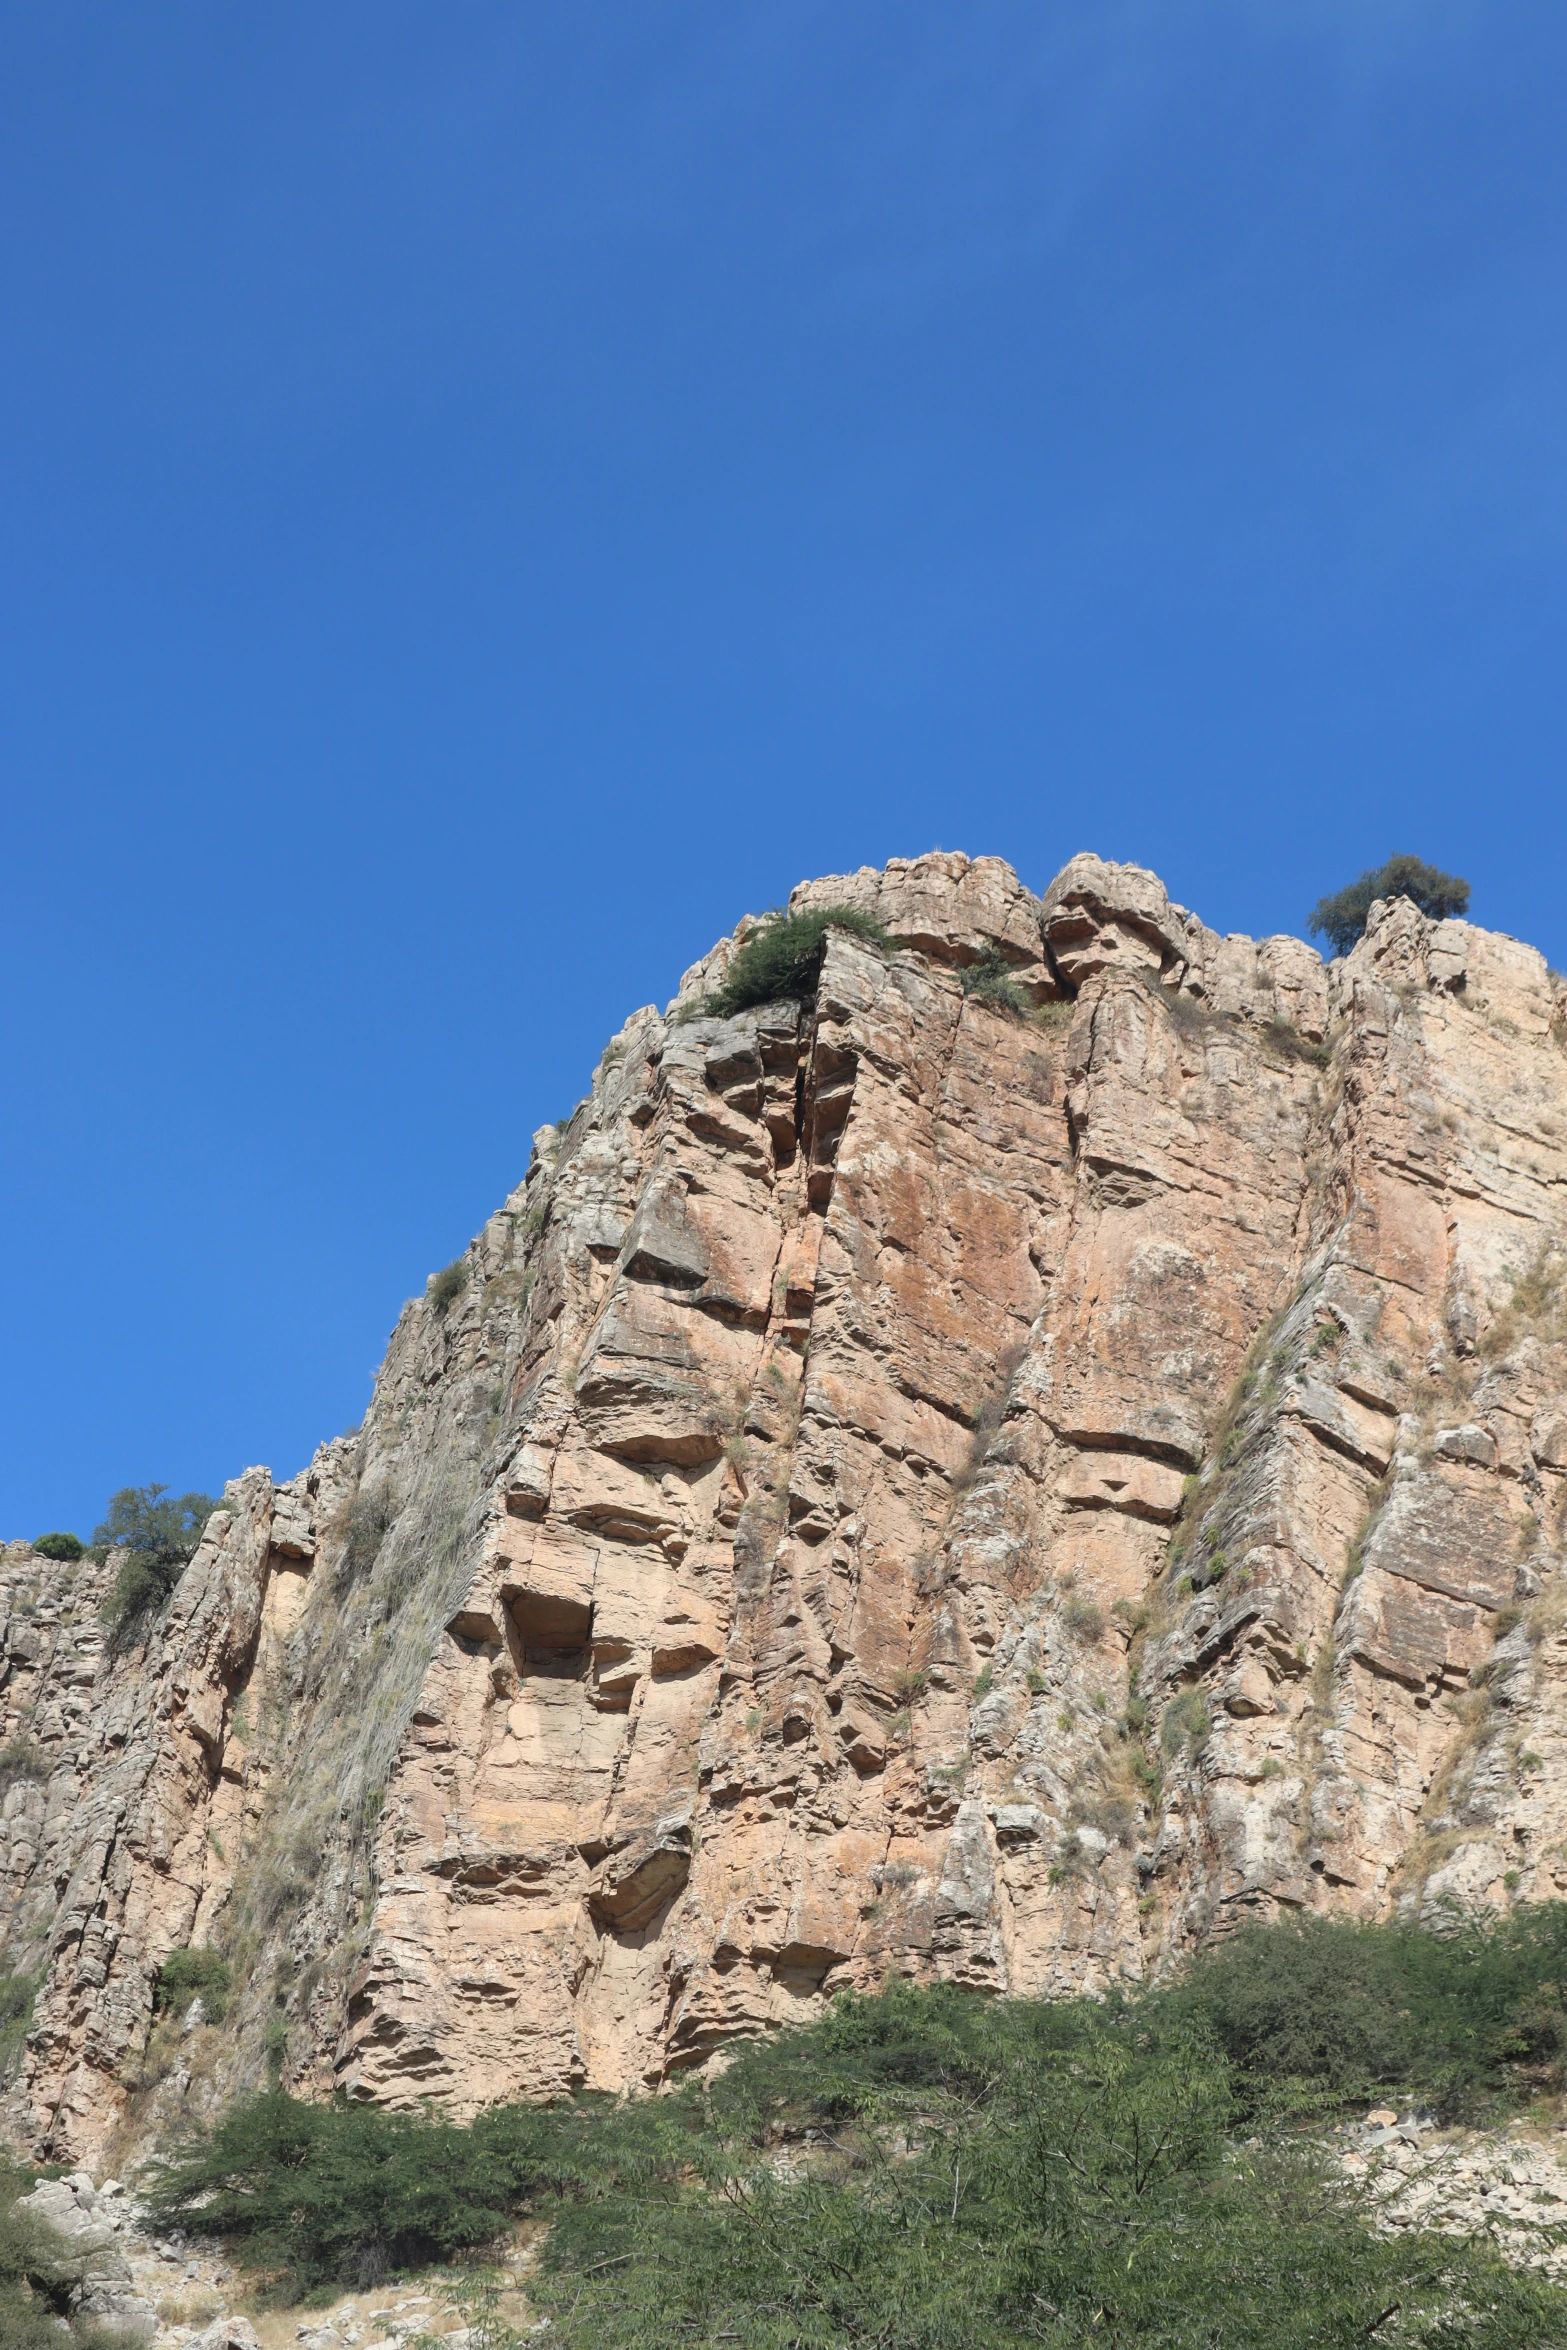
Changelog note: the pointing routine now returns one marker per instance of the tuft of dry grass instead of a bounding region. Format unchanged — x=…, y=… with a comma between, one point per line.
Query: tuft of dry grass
x=1537, y=1307
x=1545, y=1618
x=195, y=2308
x=1053, y=1019
x=1083, y=1619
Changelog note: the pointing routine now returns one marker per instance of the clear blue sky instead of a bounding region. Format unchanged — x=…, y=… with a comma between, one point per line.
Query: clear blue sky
x=493, y=491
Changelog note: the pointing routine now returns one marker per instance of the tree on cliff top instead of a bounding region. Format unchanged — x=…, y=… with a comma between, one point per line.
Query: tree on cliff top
x=156, y=1539
x=1342, y=918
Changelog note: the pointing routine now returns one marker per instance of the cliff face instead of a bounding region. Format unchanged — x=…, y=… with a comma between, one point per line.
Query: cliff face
x=903, y=1487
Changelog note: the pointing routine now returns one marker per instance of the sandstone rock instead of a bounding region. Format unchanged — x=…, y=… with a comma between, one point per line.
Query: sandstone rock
x=854, y=1408
x=1469, y=1443
x=226, y=2333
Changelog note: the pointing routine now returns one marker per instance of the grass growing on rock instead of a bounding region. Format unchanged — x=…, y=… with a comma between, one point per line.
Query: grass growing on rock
x=17, y=1993
x=22, y=1759
x=990, y=981
x=1537, y=1306
x=445, y=1287
x=930, y=2168
x=783, y=957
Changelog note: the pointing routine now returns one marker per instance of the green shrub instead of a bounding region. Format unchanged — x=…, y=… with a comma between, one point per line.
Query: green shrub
x=1341, y=919
x=188, y=1974
x=274, y=2045
x=784, y=957
x=1286, y=1038
x=66, y=1548
x=444, y=1288
x=157, y=1538
x=140, y=1589
x=1468, y=2019
x=316, y=2195
x=990, y=981
x=962, y=2172
x=365, y=1526
x=1082, y=1618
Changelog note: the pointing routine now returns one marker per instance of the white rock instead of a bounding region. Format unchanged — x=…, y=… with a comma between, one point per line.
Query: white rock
x=227, y=2333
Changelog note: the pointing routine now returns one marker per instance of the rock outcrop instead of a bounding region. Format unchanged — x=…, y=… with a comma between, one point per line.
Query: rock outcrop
x=908, y=1483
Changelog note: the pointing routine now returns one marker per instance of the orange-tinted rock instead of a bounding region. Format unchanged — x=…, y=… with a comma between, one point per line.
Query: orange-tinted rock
x=904, y=1487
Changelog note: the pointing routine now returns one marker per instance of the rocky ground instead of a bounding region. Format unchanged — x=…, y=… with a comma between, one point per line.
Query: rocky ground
x=176, y=2295
x=1509, y=2184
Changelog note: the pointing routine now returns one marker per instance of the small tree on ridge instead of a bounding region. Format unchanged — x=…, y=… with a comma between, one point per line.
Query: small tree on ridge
x=1342, y=918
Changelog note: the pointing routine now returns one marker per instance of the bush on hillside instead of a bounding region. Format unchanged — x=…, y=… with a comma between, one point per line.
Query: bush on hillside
x=21, y=1758
x=1342, y=918
x=929, y=2168
x=1339, y=2010
x=1093, y=2194
x=64, y=1548
x=784, y=957
x=364, y=1527
x=350, y=2194
x=156, y=1535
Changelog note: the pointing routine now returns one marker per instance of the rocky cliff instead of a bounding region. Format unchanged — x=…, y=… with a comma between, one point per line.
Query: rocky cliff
x=906, y=1484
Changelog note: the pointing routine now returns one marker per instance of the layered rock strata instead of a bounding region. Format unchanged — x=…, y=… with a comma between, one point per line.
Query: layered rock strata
x=910, y=1482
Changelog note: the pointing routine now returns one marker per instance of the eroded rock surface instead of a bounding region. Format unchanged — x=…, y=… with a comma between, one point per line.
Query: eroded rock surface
x=905, y=1485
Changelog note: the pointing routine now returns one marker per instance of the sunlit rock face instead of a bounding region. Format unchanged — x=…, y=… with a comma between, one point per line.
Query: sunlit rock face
x=908, y=1484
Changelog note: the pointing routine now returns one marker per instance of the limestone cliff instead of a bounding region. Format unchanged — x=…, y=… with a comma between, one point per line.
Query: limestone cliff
x=902, y=1485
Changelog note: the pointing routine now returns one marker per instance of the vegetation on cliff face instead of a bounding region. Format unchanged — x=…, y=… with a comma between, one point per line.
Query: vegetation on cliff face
x=159, y=1537
x=445, y=1287
x=201, y=1973
x=990, y=981
x=784, y=957
x=1329, y=2011
x=1341, y=919
x=17, y=1993
x=930, y=2168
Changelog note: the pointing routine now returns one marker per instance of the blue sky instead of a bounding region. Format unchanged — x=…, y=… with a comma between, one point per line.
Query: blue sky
x=489, y=493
